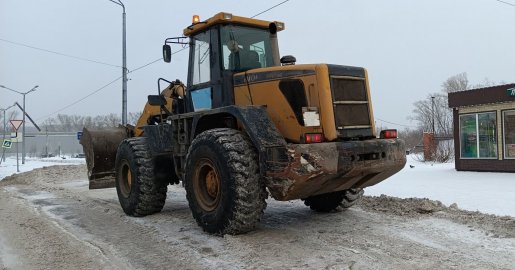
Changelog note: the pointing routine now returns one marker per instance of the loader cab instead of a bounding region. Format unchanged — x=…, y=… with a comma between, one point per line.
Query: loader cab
x=221, y=47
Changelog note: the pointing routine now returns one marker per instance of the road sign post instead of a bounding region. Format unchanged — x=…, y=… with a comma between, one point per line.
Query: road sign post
x=17, y=159
x=16, y=125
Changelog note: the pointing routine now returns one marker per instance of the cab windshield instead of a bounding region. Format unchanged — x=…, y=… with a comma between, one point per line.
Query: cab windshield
x=245, y=48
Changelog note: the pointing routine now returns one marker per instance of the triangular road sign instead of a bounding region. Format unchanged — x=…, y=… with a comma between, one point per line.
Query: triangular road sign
x=16, y=124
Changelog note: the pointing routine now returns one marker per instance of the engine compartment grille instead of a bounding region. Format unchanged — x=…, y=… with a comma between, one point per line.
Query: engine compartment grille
x=351, y=106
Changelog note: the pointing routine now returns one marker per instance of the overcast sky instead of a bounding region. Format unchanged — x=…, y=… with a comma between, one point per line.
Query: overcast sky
x=409, y=47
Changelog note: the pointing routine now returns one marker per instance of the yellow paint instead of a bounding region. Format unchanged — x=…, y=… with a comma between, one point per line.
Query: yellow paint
x=371, y=112
x=151, y=111
x=148, y=112
x=318, y=92
x=268, y=93
x=326, y=103
x=220, y=19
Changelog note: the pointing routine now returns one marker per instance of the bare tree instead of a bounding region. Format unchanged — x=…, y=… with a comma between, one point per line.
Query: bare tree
x=412, y=138
x=434, y=108
x=458, y=82
x=73, y=123
x=50, y=124
x=133, y=117
x=12, y=115
x=112, y=120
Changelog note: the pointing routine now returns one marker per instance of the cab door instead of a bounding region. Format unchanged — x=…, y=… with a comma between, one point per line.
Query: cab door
x=204, y=73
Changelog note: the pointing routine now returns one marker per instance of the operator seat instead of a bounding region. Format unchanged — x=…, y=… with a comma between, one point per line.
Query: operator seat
x=244, y=60
x=252, y=60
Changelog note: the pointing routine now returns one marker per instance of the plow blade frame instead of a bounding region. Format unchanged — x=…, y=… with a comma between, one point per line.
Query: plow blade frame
x=100, y=147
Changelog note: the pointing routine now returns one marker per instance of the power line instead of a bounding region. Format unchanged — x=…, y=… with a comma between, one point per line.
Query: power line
x=394, y=123
x=136, y=69
x=81, y=99
x=146, y=65
x=58, y=53
x=506, y=3
x=269, y=9
x=158, y=59
x=103, y=87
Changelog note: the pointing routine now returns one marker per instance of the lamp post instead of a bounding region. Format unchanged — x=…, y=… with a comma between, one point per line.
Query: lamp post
x=24, y=112
x=4, y=127
x=433, y=114
x=124, y=66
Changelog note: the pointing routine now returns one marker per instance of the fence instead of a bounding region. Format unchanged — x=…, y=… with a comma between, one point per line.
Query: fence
x=48, y=144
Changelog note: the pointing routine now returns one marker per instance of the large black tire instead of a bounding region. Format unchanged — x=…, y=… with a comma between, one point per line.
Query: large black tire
x=330, y=201
x=140, y=193
x=224, y=188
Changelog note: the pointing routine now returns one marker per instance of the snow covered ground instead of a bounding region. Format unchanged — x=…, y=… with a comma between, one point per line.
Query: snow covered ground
x=492, y=193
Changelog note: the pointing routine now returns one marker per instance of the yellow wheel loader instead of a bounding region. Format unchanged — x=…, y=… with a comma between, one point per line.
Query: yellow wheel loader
x=247, y=124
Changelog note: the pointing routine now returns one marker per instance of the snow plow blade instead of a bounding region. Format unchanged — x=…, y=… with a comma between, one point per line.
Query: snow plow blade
x=100, y=146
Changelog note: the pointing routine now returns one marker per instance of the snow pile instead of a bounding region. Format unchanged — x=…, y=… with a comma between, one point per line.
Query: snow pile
x=8, y=167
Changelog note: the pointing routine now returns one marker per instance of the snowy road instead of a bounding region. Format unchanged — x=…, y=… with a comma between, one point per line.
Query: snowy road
x=50, y=220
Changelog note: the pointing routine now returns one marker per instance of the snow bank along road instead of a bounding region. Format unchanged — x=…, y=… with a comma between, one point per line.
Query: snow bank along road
x=50, y=220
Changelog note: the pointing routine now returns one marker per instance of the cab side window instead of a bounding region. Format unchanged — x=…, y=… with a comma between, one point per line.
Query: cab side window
x=201, y=59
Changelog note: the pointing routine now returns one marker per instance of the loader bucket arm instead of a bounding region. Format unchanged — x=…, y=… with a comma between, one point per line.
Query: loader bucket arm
x=100, y=147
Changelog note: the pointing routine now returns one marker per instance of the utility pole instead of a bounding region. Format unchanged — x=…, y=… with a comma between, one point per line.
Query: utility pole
x=433, y=142
x=24, y=112
x=4, y=129
x=124, y=66
x=433, y=113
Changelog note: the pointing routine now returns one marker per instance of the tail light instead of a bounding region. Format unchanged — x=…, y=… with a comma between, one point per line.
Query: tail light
x=313, y=138
x=388, y=134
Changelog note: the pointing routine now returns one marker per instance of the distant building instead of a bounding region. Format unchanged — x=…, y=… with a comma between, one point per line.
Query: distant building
x=484, y=128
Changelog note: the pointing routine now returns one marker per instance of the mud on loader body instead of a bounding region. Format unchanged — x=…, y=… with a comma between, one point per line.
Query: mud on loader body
x=248, y=124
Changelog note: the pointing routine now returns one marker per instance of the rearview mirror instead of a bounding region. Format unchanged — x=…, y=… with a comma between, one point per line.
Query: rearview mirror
x=167, y=53
x=156, y=100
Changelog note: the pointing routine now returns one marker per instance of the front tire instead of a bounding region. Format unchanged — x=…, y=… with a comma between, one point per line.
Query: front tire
x=140, y=193
x=223, y=186
x=331, y=201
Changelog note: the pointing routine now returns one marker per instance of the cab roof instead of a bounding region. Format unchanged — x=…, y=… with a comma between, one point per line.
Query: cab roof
x=228, y=18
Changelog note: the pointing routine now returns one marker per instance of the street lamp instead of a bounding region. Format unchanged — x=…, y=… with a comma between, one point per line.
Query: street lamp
x=4, y=127
x=24, y=112
x=124, y=67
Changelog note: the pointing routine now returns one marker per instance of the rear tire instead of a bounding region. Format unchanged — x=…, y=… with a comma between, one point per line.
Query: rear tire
x=140, y=193
x=331, y=201
x=223, y=186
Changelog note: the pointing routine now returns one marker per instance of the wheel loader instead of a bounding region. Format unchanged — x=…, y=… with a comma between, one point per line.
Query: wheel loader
x=247, y=124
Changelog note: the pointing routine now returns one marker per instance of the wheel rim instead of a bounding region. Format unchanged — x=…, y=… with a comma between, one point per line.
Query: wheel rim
x=206, y=185
x=126, y=179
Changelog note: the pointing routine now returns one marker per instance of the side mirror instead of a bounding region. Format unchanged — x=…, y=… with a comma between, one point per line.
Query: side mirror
x=167, y=53
x=156, y=100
